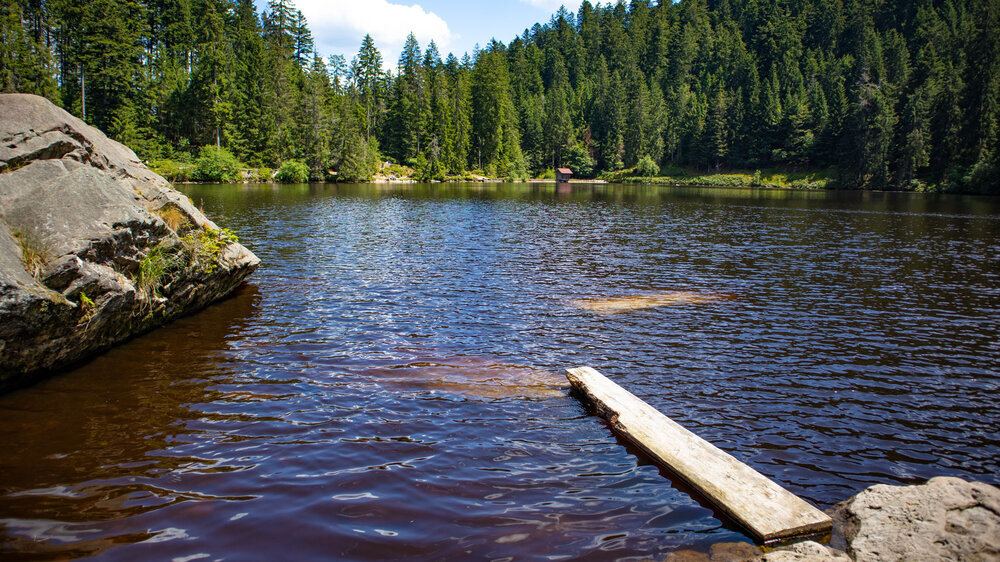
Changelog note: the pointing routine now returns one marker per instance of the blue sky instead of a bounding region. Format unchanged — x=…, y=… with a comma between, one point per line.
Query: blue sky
x=455, y=25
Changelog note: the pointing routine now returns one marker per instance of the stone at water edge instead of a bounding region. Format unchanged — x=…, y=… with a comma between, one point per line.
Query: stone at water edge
x=92, y=212
x=808, y=551
x=945, y=519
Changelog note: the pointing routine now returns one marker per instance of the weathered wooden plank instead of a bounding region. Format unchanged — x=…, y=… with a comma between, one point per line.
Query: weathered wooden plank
x=766, y=509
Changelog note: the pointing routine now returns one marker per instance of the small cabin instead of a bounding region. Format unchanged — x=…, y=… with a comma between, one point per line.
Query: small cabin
x=563, y=174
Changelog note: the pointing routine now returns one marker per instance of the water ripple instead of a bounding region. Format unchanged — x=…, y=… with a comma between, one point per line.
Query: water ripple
x=389, y=386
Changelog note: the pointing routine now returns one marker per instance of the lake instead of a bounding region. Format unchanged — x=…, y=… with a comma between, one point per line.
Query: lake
x=390, y=383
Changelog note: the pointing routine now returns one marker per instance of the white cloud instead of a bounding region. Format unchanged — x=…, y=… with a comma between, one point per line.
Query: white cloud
x=552, y=5
x=338, y=26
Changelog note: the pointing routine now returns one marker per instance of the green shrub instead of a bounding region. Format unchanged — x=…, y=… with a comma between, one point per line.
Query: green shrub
x=578, y=159
x=617, y=175
x=548, y=174
x=265, y=174
x=293, y=171
x=216, y=165
x=398, y=171
x=205, y=247
x=172, y=170
x=646, y=167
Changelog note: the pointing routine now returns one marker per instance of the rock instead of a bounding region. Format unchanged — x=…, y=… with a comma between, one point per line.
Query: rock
x=94, y=247
x=944, y=519
x=687, y=556
x=808, y=551
x=721, y=552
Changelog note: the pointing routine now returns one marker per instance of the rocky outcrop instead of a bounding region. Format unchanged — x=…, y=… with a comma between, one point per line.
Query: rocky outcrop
x=944, y=519
x=94, y=247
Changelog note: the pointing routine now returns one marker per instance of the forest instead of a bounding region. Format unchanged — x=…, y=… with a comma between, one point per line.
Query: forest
x=877, y=94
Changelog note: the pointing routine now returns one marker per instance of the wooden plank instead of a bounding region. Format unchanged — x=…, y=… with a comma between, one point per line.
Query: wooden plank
x=766, y=509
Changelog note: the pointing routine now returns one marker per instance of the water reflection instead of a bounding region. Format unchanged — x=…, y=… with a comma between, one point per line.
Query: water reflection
x=391, y=385
x=86, y=450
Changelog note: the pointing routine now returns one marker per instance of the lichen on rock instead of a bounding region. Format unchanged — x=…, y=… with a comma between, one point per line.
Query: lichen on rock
x=94, y=247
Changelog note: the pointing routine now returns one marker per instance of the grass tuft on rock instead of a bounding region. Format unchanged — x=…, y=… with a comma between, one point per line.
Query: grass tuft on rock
x=174, y=218
x=35, y=252
x=154, y=267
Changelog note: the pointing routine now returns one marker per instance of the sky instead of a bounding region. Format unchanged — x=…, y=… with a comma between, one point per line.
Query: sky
x=456, y=26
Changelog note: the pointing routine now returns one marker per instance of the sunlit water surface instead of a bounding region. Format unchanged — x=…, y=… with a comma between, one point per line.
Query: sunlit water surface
x=389, y=384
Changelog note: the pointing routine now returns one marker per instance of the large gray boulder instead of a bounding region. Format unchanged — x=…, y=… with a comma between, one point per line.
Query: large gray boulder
x=94, y=247
x=944, y=519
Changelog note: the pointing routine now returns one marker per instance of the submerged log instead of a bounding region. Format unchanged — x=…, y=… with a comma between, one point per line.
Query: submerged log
x=764, y=508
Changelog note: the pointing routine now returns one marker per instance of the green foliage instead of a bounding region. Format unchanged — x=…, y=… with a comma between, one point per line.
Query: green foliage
x=172, y=170
x=983, y=177
x=216, y=165
x=797, y=180
x=205, y=246
x=199, y=251
x=154, y=268
x=893, y=95
x=578, y=160
x=360, y=161
x=428, y=170
x=292, y=171
x=264, y=174
x=398, y=171
x=646, y=167
x=88, y=307
x=548, y=174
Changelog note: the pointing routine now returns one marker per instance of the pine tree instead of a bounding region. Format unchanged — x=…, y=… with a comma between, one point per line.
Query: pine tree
x=247, y=131
x=302, y=40
x=212, y=78
x=409, y=110
x=460, y=98
x=495, y=136
x=26, y=62
x=368, y=80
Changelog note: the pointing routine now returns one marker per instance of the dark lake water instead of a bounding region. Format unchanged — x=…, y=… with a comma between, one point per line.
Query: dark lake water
x=389, y=384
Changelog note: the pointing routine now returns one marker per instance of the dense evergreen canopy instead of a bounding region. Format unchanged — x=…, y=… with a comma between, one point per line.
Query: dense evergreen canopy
x=886, y=94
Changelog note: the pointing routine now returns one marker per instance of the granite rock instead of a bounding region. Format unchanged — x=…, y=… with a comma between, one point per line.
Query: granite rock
x=95, y=248
x=945, y=519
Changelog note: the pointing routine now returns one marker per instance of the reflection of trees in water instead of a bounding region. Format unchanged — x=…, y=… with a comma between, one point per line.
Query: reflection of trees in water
x=91, y=445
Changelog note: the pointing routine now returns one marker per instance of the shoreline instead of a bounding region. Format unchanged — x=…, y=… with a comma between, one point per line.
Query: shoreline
x=665, y=181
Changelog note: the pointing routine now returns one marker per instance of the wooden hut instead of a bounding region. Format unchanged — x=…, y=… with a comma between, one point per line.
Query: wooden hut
x=563, y=174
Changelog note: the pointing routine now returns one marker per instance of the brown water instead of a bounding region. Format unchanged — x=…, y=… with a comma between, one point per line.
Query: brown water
x=389, y=385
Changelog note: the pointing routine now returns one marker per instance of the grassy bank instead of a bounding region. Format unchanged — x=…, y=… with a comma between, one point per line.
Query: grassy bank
x=757, y=178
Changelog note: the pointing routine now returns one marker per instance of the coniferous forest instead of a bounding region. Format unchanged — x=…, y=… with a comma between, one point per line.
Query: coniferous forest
x=879, y=94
